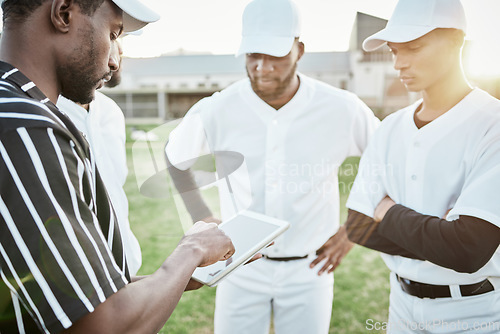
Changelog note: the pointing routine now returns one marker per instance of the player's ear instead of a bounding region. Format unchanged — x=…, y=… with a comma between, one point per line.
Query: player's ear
x=61, y=14
x=455, y=37
x=301, y=49
x=459, y=37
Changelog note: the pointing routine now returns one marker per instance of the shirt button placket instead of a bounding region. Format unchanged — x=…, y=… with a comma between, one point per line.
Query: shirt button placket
x=274, y=160
x=414, y=171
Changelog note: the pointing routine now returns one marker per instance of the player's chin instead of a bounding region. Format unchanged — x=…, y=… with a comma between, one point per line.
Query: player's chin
x=266, y=94
x=413, y=88
x=83, y=96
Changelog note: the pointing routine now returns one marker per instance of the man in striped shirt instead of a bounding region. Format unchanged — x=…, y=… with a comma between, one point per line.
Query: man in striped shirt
x=62, y=265
x=102, y=123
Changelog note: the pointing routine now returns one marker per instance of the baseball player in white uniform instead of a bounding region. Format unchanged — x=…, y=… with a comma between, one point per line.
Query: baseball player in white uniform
x=293, y=132
x=426, y=194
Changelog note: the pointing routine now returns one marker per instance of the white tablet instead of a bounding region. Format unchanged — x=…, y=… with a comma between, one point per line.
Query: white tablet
x=249, y=232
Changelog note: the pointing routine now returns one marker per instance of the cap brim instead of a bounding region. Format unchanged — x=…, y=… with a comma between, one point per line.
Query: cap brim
x=272, y=46
x=136, y=15
x=133, y=33
x=394, y=34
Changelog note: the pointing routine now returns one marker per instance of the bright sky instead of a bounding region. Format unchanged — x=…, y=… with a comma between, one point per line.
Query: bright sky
x=215, y=26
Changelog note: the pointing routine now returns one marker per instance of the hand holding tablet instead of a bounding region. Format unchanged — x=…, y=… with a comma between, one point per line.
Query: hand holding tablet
x=249, y=232
x=211, y=241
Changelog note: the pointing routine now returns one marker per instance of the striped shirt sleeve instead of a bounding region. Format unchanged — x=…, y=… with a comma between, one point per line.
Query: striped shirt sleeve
x=55, y=259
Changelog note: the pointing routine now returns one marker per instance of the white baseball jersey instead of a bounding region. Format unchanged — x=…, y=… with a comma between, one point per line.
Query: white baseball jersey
x=451, y=163
x=104, y=128
x=291, y=155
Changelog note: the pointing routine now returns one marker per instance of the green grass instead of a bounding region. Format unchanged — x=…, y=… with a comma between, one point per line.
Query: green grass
x=361, y=281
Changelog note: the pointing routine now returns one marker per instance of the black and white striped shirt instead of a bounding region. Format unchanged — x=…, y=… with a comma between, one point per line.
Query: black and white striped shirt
x=60, y=247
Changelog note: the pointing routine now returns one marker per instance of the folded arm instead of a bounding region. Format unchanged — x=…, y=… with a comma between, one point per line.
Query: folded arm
x=364, y=231
x=464, y=245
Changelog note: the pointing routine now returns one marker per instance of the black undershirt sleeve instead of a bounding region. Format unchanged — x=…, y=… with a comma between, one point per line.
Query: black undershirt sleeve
x=186, y=186
x=364, y=231
x=464, y=245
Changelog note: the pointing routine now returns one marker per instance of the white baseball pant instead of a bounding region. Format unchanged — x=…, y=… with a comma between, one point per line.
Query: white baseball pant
x=299, y=299
x=474, y=314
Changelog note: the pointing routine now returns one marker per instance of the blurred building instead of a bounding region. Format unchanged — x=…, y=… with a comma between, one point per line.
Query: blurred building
x=157, y=89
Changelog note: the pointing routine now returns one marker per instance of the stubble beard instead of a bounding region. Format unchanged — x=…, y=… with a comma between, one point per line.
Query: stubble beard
x=79, y=81
x=282, y=86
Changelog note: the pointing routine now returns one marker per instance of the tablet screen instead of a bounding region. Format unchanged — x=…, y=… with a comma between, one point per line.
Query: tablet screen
x=249, y=232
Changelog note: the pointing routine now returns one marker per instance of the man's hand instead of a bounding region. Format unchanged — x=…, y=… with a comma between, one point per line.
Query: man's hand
x=333, y=251
x=385, y=204
x=210, y=242
x=193, y=285
x=212, y=219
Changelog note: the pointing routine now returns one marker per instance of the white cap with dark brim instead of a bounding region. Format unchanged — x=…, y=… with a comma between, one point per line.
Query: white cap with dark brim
x=413, y=19
x=136, y=15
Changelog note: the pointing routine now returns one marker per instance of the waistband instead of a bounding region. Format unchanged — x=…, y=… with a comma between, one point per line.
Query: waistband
x=423, y=290
x=289, y=258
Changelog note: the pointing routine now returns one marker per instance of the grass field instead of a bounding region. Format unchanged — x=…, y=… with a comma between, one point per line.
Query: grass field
x=361, y=282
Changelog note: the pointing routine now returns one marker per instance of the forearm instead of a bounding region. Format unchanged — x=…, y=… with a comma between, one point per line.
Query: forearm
x=364, y=231
x=137, y=278
x=464, y=245
x=144, y=305
x=186, y=186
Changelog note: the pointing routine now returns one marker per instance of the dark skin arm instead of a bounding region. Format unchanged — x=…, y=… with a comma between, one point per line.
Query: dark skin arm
x=333, y=250
x=185, y=183
x=144, y=305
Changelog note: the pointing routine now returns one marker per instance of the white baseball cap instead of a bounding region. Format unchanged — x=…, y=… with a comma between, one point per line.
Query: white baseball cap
x=135, y=14
x=413, y=19
x=269, y=27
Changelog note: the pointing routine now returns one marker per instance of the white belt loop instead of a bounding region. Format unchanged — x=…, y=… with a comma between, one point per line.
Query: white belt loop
x=495, y=281
x=455, y=291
